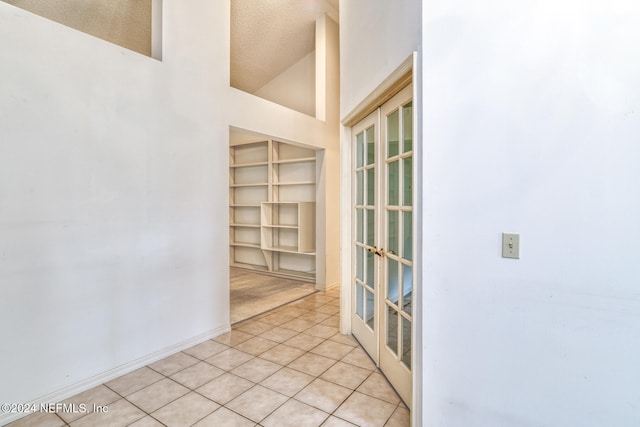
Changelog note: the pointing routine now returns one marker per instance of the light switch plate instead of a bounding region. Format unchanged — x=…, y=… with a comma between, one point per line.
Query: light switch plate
x=510, y=245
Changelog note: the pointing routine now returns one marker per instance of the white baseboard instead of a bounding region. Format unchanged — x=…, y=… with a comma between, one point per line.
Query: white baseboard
x=84, y=385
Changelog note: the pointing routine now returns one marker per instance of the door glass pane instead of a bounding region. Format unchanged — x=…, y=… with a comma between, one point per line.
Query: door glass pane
x=371, y=227
x=408, y=175
x=392, y=231
x=393, y=183
x=393, y=134
x=371, y=187
x=392, y=280
x=392, y=329
x=407, y=288
x=371, y=153
x=369, y=309
x=359, y=300
x=359, y=188
x=406, y=342
x=407, y=235
x=360, y=150
x=407, y=128
x=360, y=262
x=370, y=269
x=359, y=225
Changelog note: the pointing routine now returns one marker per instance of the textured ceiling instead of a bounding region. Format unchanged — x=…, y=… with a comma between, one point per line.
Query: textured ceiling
x=124, y=22
x=268, y=36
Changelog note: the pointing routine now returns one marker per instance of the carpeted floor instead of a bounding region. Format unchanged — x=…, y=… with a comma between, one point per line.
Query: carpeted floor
x=253, y=293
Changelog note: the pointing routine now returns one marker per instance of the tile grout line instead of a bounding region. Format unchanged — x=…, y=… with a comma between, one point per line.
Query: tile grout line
x=308, y=312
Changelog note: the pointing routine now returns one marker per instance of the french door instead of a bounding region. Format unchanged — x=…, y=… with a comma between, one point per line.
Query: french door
x=382, y=283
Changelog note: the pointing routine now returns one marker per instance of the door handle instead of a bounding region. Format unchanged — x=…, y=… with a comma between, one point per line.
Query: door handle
x=380, y=252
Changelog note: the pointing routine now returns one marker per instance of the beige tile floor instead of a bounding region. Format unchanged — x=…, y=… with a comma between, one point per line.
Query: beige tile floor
x=249, y=300
x=286, y=367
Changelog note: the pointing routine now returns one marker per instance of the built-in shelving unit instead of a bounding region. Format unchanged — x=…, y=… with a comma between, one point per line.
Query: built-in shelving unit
x=272, y=208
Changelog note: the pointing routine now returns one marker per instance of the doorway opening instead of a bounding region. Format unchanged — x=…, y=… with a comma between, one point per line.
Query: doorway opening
x=380, y=268
x=272, y=222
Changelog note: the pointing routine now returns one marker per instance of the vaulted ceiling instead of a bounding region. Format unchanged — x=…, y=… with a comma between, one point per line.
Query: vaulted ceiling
x=268, y=36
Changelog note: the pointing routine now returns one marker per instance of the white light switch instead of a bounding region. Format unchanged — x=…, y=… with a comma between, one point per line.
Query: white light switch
x=510, y=245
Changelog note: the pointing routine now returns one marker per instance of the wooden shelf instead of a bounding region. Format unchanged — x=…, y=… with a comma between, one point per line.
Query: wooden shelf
x=289, y=250
x=249, y=165
x=295, y=183
x=253, y=184
x=300, y=160
x=243, y=205
x=245, y=245
x=260, y=173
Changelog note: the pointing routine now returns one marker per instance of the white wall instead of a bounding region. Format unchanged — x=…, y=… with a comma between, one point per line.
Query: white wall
x=531, y=126
x=374, y=40
x=294, y=87
x=112, y=238
x=110, y=250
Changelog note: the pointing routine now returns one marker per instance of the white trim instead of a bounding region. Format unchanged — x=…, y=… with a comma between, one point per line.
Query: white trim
x=84, y=385
x=345, y=230
x=398, y=79
x=417, y=333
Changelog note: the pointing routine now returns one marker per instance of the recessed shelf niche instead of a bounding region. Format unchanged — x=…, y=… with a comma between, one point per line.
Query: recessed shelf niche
x=272, y=208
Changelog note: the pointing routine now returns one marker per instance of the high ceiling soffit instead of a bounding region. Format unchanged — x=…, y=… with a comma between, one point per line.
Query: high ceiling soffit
x=269, y=36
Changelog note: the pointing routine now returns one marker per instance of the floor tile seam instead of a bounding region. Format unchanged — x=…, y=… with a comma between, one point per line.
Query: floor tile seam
x=269, y=376
x=341, y=419
x=295, y=330
x=266, y=314
x=235, y=412
x=179, y=397
x=356, y=391
x=312, y=405
x=357, y=366
x=195, y=422
x=282, y=342
x=285, y=402
x=123, y=396
x=390, y=415
x=279, y=344
x=198, y=360
x=223, y=369
x=354, y=388
x=65, y=423
x=202, y=360
x=376, y=397
x=309, y=352
x=154, y=418
x=251, y=388
x=333, y=413
x=221, y=405
x=145, y=413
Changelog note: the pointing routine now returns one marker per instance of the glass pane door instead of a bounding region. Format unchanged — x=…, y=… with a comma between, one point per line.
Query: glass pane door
x=397, y=260
x=365, y=236
x=399, y=214
x=383, y=238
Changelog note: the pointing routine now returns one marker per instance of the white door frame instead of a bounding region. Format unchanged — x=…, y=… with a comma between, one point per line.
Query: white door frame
x=407, y=71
